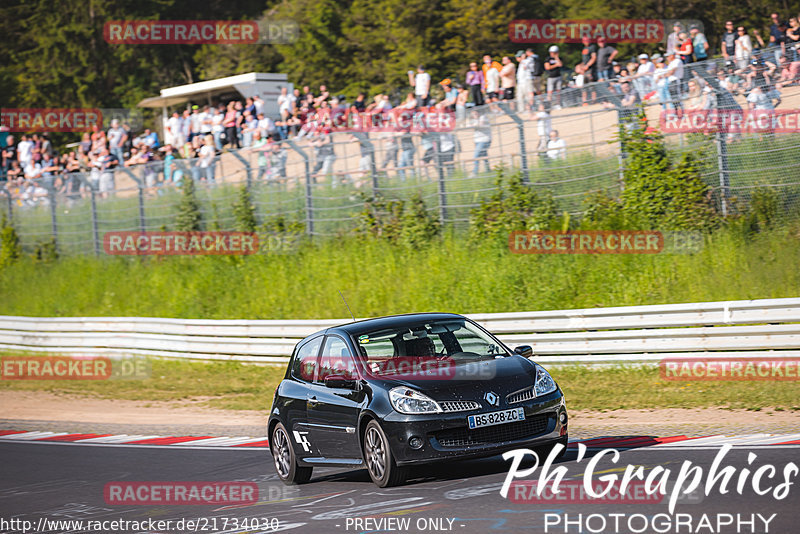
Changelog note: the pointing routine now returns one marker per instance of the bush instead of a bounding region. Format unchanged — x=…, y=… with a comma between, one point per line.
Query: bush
x=244, y=212
x=660, y=193
x=10, y=248
x=189, y=217
x=514, y=206
x=408, y=223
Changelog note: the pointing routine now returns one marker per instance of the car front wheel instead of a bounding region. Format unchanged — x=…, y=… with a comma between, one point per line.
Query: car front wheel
x=379, y=460
x=285, y=461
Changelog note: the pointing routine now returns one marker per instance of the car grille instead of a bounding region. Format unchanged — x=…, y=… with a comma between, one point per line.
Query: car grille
x=521, y=396
x=464, y=437
x=459, y=406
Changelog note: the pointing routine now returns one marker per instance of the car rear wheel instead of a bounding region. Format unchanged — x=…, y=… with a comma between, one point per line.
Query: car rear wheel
x=285, y=461
x=379, y=460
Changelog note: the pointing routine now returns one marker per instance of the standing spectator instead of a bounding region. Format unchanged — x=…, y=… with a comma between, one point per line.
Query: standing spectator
x=326, y=156
x=105, y=164
x=673, y=39
x=729, y=38
x=285, y=102
x=461, y=103
x=172, y=133
x=9, y=154
x=524, y=81
x=556, y=147
x=390, y=148
x=206, y=160
x=643, y=81
x=298, y=99
x=699, y=43
x=605, y=58
x=589, y=58
x=674, y=74
x=421, y=82
x=777, y=31
x=206, y=121
x=186, y=127
x=684, y=48
x=366, y=161
x=537, y=71
x=475, y=81
x=508, y=78
x=260, y=147
x=743, y=48
x=24, y=151
x=792, y=39
x=217, y=130
x=482, y=137
x=406, y=153
x=197, y=121
x=553, y=67
x=258, y=102
x=450, y=95
x=543, y=126
x=492, y=84
x=229, y=123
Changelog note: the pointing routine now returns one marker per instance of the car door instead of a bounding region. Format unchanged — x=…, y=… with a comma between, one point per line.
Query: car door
x=296, y=392
x=333, y=411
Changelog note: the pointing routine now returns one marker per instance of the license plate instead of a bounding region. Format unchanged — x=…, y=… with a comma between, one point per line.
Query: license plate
x=496, y=418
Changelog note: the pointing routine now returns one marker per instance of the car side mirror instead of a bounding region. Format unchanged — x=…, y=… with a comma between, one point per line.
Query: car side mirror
x=339, y=381
x=524, y=350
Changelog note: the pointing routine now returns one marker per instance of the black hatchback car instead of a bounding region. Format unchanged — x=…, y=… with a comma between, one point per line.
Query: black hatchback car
x=397, y=391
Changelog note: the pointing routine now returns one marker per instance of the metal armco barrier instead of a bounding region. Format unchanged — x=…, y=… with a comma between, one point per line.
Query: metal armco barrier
x=633, y=334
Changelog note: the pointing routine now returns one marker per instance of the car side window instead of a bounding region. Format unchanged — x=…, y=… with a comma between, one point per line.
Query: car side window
x=304, y=365
x=335, y=359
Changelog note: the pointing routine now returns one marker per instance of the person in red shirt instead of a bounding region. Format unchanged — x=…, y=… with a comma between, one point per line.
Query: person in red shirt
x=684, y=48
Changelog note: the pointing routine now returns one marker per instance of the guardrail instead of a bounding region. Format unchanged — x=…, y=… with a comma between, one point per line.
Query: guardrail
x=767, y=327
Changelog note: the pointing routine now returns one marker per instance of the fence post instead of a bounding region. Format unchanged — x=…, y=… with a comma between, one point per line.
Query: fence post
x=521, y=131
x=95, y=232
x=722, y=163
x=10, y=208
x=309, y=197
x=53, y=220
x=442, y=191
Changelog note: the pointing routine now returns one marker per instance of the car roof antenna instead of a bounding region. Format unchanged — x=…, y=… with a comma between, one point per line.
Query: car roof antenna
x=348, y=306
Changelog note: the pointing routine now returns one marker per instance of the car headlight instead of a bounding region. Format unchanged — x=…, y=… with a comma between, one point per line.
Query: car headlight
x=544, y=382
x=408, y=401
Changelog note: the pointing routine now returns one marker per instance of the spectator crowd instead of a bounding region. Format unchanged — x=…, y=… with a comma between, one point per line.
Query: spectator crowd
x=683, y=77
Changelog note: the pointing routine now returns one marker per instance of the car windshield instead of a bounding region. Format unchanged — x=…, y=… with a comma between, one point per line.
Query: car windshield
x=454, y=340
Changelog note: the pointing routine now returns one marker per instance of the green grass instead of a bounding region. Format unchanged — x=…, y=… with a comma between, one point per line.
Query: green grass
x=378, y=278
x=250, y=387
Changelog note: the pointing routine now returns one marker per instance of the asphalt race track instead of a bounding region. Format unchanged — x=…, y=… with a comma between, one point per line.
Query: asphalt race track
x=43, y=482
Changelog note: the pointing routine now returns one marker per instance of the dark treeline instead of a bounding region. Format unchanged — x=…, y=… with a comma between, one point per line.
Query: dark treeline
x=53, y=52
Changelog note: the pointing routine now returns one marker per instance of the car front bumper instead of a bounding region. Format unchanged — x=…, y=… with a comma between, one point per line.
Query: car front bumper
x=447, y=436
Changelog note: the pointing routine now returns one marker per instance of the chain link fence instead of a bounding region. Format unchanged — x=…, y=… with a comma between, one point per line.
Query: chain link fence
x=323, y=186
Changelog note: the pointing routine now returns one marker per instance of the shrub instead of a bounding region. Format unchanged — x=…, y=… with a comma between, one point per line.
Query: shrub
x=189, y=217
x=513, y=206
x=244, y=211
x=10, y=248
x=398, y=221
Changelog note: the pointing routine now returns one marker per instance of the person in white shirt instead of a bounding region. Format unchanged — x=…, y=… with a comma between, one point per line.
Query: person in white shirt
x=743, y=48
x=543, y=126
x=482, y=137
x=285, y=102
x=206, y=160
x=644, y=76
x=421, y=82
x=556, y=147
x=674, y=75
x=258, y=102
x=24, y=151
x=174, y=130
x=524, y=81
x=217, y=116
x=492, y=84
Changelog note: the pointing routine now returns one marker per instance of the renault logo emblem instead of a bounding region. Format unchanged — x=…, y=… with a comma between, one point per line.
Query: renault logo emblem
x=492, y=398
